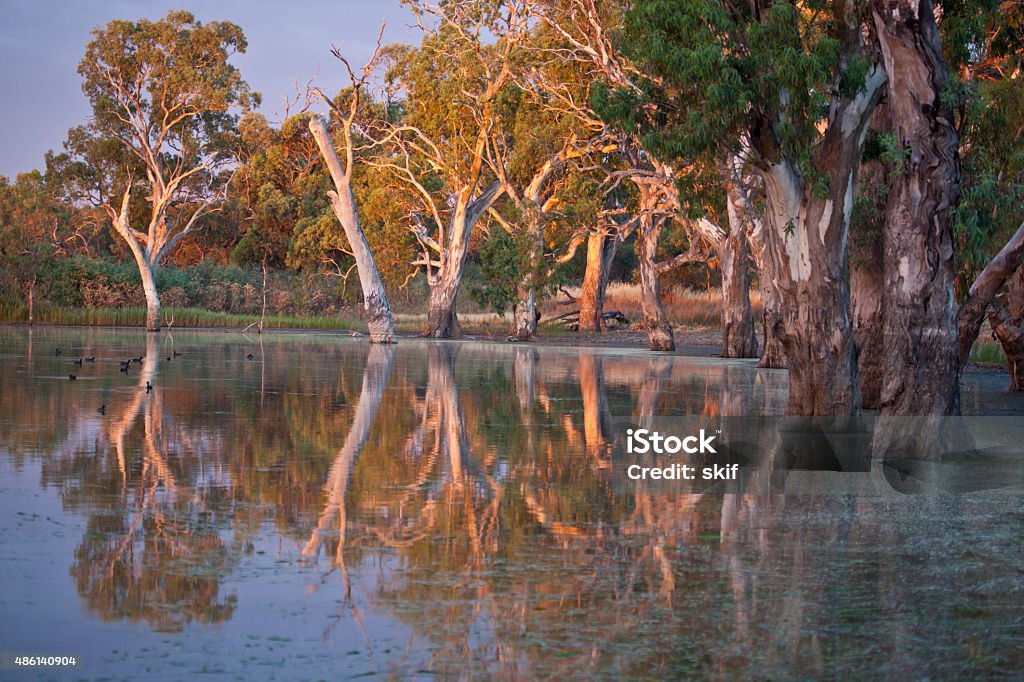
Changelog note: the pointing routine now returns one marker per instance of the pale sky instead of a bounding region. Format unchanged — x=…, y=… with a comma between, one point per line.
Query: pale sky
x=42, y=41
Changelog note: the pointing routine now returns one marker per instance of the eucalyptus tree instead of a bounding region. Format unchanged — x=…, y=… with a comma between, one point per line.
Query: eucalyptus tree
x=592, y=33
x=451, y=86
x=794, y=86
x=346, y=110
x=155, y=152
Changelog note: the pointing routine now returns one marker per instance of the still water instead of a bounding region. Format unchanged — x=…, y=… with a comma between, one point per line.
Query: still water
x=302, y=506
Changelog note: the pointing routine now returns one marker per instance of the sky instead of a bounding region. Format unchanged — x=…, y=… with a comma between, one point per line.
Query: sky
x=42, y=41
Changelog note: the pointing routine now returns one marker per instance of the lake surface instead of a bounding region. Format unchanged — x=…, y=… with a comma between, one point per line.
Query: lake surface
x=302, y=506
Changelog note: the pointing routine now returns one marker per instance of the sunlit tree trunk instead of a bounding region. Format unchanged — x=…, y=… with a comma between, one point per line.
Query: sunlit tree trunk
x=773, y=353
x=919, y=314
x=375, y=300
x=659, y=331
x=601, y=249
x=442, y=322
x=526, y=306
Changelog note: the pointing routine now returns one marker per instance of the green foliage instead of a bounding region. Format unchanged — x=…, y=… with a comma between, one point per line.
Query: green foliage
x=502, y=266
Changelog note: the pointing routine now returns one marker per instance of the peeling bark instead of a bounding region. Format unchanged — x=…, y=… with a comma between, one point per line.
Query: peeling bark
x=805, y=238
x=867, y=278
x=375, y=300
x=984, y=289
x=1006, y=316
x=919, y=312
x=601, y=249
x=738, y=337
x=526, y=307
x=659, y=331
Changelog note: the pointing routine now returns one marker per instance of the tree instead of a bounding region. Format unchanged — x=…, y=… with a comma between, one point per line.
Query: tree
x=155, y=152
x=375, y=300
x=796, y=84
x=438, y=148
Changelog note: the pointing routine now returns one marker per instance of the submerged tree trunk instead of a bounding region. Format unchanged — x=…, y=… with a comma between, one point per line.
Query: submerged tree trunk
x=984, y=288
x=1006, y=315
x=920, y=325
x=806, y=237
x=601, y=249
x=867, y=277
x=31, y=301
x=773, y=354
x=375, y=300
x=738, y=337
x=659, y=331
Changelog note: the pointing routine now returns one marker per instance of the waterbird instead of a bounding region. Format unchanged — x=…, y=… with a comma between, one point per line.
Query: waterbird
x=72, y=377
x=78, y=362
x=176, y=354
x=124, y=368
x=168, y=358
x=149, y=387
x=249, y=356
x=102, y=409
x=56, y=351
x=138, y=360
x=91, y=358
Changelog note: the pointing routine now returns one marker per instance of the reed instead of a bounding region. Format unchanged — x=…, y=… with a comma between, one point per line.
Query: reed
x=172, y=317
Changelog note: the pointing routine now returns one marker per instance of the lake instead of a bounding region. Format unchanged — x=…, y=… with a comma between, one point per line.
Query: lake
x=304, y=506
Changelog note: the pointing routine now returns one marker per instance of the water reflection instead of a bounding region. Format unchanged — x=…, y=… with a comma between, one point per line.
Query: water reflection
x=471, y=496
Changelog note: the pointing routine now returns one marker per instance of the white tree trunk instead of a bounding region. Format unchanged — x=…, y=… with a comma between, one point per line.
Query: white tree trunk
x=375, y=300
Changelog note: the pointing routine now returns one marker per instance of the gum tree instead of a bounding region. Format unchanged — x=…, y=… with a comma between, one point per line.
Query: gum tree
x=154, y=153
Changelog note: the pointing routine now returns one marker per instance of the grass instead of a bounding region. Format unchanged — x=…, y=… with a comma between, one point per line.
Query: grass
x=173, y=317
x=684, y=307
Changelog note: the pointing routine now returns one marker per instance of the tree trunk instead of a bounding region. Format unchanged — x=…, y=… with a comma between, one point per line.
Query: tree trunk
x=526, y=307
x=867, y=276
x=442, y=323
x=659, y=331
x=375, y=300
x=601, y=249
x=148, y=273
x=773, y=354
x=805, y=236
x=31, y=300
x=738, y=337
x=984, y=289
x=1006, y=316
x=919, y=323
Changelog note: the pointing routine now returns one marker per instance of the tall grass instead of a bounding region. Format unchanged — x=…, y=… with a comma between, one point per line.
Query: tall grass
x=173, y=317
x=684, y=307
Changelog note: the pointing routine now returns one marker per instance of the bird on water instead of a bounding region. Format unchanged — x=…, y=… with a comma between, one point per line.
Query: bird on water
x=72, y=377
x=102, y=409
x=149, y=387
x=78, y=362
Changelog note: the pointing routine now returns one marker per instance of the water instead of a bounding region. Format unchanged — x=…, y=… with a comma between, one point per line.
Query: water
x=454, y=510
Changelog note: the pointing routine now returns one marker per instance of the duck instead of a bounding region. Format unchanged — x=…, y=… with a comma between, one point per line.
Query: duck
x=78, y=362
x=124, y=368
x=72, y=377
x=102, y=409
x=249, y=356
x=91, y=358
x=149, y=387
x=56, y=351
x=176, y=354
x=168, y=358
